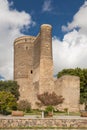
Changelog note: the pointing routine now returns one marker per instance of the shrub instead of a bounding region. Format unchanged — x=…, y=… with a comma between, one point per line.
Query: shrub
x=24, y=105
x=7, y=102
x=50, y=99
x=10, y=86
x=49, y=111
x=49, y=108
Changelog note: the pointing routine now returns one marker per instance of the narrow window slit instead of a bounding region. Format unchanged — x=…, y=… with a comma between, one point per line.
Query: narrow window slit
x=31, y=71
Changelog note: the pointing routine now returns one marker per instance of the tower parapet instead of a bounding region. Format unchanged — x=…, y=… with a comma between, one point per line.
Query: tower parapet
x=46, y=41
x=23, y=39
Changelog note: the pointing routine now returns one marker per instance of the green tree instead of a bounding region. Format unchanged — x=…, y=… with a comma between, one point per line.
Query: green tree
x=10, y=86
x=82, y=73
x=7, y=102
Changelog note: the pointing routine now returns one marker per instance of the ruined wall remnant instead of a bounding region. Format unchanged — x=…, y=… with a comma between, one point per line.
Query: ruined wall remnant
x=68, y=86
x=33, y=70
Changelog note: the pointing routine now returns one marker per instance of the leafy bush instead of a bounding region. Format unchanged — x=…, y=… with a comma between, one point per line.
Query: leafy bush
x=24, y=105
x=50, y=99
x=10, y=86
x=7, y=102
x=49, y=108
x=49, y=111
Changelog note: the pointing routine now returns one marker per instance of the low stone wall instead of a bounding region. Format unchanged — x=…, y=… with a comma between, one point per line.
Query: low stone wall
x=46, y=122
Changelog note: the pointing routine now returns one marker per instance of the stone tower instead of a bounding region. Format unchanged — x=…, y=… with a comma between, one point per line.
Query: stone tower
x=46, y=62
x=33, y=64
x=23, y=66
x=33, y=69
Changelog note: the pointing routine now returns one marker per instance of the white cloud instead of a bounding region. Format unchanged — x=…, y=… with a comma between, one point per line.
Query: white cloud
x=47, y=6
x=79, y=20
x=11, y=24
x=71, y=52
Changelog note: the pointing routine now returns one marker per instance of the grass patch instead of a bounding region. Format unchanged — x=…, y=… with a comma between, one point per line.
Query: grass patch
x=64, y=128
x=34, y=112
x=55, y=113
x=66, y=113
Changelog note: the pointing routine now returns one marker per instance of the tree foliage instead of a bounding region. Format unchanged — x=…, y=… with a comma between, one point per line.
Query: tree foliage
x=10, y=86
x=7, y=102
x=24, y=105
x=50, y=99
x=82, y=73
x=49, y=108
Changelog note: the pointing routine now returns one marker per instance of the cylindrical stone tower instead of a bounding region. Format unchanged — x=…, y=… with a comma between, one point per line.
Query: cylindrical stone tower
x=46, y=62
x=23, y=66
x=23, y=57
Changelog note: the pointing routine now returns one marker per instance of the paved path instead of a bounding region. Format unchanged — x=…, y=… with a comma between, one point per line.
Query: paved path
x=39, y=117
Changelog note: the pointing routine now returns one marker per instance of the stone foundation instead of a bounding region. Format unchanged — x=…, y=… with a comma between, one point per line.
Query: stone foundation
x=43, y=123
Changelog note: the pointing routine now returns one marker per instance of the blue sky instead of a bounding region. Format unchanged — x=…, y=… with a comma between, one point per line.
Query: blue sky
x=24, y=17
x=54, y=12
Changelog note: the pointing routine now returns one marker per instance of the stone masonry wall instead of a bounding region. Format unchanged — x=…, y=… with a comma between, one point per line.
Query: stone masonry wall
x=27, y=91
x=69, y=87
x=36, y=59
x=57, y=123
x=46, y=62
x=23, y=56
